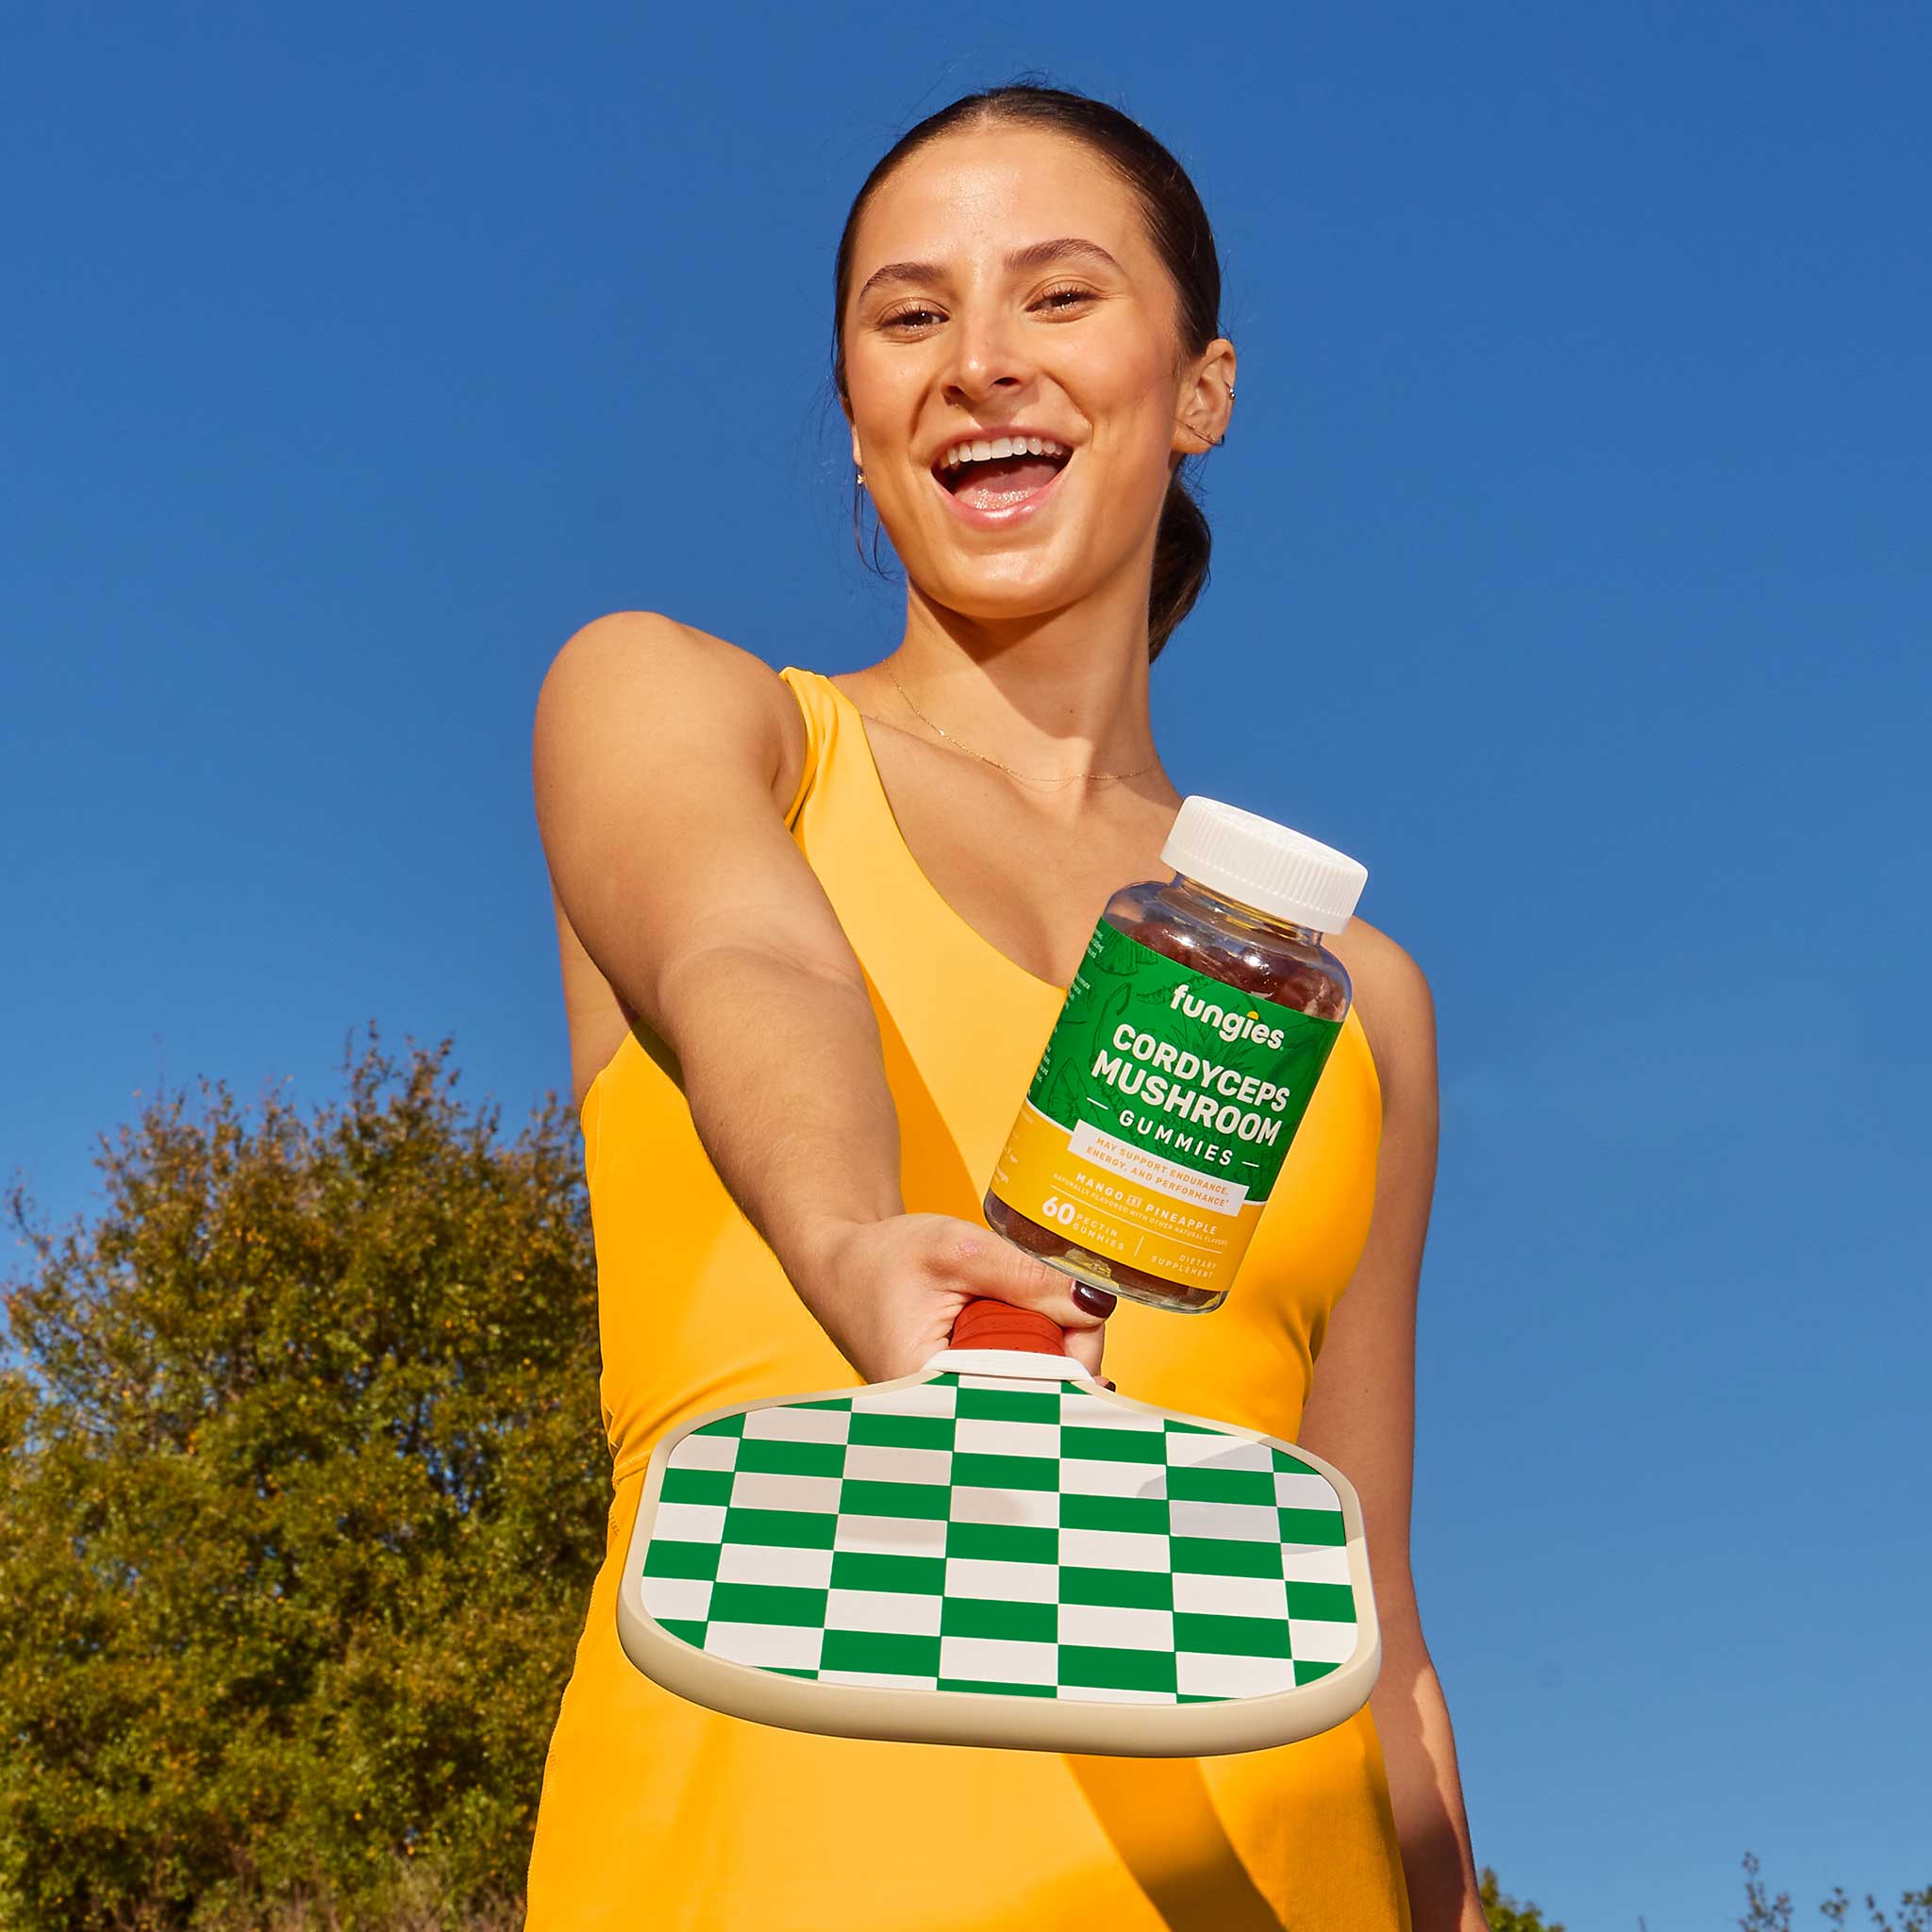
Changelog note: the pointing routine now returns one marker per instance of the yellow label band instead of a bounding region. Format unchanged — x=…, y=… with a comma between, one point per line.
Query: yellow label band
x=1125, y=1203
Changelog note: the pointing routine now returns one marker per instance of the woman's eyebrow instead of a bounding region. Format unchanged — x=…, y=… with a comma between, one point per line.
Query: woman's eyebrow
x=1035, y=254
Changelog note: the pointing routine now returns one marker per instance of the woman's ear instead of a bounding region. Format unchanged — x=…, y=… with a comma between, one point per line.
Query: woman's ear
x=1207, y=397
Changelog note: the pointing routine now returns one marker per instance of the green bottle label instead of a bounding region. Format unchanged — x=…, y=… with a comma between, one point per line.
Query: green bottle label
x=1149, y=1051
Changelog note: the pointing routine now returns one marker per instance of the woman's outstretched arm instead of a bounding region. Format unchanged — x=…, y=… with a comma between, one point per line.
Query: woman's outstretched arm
x=1360, y=1415
x=658, y=753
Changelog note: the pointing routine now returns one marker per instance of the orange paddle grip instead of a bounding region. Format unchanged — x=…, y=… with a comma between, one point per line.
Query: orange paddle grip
x=985, y=1323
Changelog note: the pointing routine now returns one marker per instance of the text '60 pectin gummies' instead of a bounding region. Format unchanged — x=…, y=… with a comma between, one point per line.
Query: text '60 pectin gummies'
x=1182, y=1062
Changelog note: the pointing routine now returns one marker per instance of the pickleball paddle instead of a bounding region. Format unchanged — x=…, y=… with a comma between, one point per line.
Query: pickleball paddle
x=997, y=1550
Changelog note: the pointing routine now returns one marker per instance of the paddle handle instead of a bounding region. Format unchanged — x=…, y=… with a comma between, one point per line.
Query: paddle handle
x=985, y=1323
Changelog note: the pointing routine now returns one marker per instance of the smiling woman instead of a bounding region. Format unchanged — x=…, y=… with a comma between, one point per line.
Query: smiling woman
x=896, y=871
x=1166, y=264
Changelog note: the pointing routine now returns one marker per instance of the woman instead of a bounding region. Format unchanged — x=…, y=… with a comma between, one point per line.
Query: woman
x=814, y=933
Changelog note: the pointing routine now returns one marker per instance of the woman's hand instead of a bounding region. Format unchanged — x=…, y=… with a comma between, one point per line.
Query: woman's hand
x=888, y=1292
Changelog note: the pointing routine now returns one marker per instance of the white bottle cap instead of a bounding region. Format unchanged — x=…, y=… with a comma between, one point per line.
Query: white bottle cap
x=1282, y=872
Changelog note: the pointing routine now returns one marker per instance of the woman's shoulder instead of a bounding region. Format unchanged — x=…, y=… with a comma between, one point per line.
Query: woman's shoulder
x=646, y=663
x=1395, y=1003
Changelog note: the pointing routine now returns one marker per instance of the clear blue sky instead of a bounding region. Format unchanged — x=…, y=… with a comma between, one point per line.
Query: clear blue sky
x=1570, y=555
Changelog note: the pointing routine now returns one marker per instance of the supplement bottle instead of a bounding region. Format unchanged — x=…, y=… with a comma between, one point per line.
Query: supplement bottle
x=1182, y=1062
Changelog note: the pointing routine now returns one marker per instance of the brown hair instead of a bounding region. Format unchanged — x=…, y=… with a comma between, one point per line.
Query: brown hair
x=1179, y=227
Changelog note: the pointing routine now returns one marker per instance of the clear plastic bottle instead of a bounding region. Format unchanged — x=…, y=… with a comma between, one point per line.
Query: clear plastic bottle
x=1182, y=1062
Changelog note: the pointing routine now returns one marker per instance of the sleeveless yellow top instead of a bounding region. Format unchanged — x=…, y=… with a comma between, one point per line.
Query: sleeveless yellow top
x=659, y=1815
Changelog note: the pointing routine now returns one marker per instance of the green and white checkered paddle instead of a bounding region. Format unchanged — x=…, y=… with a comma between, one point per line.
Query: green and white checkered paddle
x=997, y=1550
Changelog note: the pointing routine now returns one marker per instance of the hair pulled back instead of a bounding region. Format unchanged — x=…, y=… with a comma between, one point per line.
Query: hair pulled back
x=1177, y=226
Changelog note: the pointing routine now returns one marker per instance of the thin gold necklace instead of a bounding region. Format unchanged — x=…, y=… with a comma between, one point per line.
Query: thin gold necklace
x=1096, y=778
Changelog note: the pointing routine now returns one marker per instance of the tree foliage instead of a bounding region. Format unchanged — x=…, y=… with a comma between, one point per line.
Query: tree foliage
x=303, y=1493
x=1504, y=1913
x=1765, y=1913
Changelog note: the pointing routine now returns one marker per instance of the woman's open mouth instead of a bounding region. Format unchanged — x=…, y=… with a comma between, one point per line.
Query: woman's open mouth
x=1000, y=491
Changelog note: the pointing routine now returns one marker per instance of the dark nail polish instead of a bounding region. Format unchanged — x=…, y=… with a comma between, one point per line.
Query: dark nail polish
x=1096, y=1301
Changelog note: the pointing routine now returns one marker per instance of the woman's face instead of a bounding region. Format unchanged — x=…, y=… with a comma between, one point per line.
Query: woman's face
x=957, y=341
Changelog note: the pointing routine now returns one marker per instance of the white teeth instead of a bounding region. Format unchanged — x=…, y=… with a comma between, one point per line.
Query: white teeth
x=1002, y=446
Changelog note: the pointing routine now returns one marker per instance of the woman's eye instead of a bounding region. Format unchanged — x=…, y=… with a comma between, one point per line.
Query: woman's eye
x=1053, y=299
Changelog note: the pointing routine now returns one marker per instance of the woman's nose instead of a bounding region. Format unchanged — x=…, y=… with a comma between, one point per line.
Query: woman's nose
x=984, y=351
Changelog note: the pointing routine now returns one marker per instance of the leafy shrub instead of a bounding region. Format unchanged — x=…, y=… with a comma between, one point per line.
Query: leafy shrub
x=303, y=1493
x=1504, y=1913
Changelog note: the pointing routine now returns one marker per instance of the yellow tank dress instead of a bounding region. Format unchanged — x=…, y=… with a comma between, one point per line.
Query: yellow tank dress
x=659, y=1815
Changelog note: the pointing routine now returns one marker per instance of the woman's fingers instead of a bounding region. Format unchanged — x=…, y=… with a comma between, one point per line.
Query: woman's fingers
x=1085, y=1346
x=991, y=1266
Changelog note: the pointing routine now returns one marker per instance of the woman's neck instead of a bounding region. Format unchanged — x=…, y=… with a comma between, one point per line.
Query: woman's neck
x=1041, y=699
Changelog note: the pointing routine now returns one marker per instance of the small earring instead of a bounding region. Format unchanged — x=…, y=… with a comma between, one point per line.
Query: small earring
x=861, y=479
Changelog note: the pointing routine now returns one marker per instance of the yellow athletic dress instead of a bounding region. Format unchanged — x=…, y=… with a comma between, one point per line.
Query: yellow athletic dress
x=659, y=1815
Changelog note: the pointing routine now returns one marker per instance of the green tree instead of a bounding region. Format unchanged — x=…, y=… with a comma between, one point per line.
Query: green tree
x=1764, y=1913
x=1504, y=1913
x=302, y=1489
